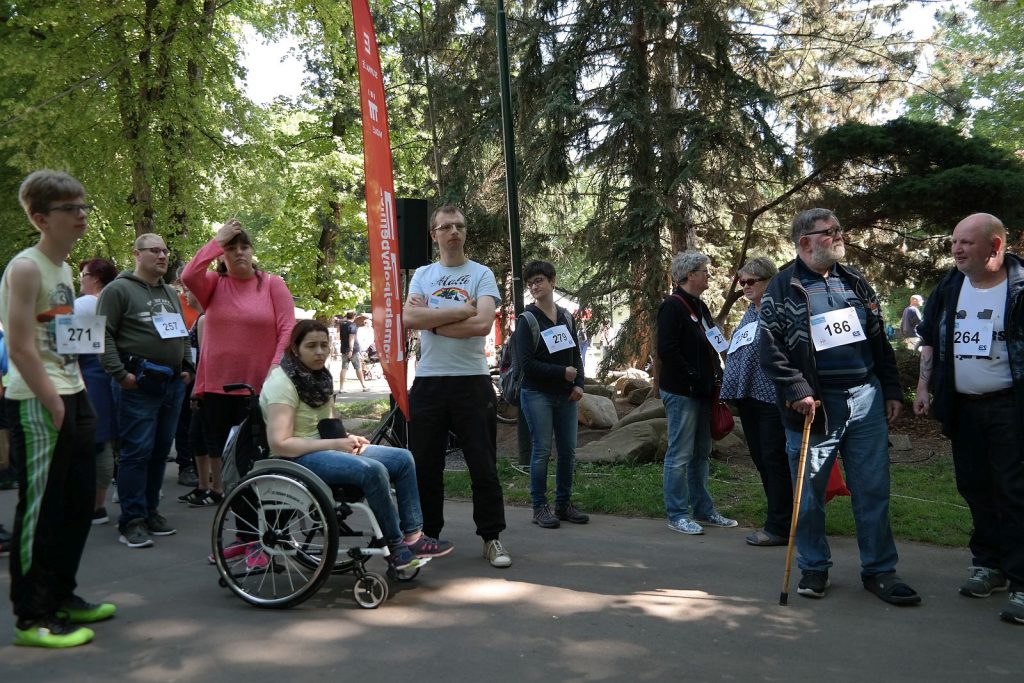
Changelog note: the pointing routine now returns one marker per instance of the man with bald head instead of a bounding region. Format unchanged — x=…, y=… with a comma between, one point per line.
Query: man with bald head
x=972, y=380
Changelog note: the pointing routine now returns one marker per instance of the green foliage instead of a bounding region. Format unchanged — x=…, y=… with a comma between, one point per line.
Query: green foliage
x=901, y=187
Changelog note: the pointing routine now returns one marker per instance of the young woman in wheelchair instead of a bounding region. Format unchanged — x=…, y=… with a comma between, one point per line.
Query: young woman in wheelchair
x=295, y=398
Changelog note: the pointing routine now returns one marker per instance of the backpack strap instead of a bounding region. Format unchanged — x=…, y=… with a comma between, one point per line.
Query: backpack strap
x=531, y=320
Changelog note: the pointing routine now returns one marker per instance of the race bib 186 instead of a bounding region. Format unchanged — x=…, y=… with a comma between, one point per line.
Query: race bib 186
x=836, y=328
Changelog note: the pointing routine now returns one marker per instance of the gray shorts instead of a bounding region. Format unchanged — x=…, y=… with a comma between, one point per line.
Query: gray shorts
x=353, y=361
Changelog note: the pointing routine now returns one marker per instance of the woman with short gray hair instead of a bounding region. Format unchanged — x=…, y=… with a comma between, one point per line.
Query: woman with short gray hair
x=690, y=370
x=749, y=388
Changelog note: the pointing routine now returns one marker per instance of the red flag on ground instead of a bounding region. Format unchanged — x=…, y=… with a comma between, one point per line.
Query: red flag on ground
x=385, y=286
x=836, y=485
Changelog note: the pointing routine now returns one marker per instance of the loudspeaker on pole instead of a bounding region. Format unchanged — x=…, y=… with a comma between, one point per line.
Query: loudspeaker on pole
x=413, y=232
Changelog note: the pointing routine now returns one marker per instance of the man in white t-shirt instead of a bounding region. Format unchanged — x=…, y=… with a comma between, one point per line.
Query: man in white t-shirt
x=453, y=302
x=972, y=362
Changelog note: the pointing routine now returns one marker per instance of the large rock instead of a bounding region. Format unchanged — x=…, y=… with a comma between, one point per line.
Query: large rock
x=648, y=410
x=632, y=384
x=638, y=396
x=599, y=390
x=639, y=442
x=597, y=412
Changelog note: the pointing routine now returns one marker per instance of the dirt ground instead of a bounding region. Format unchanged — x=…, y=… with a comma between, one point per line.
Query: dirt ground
x=924, y=435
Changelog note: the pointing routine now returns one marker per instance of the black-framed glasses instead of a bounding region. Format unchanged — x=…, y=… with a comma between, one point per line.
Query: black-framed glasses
x=86, y=274
x=536, y=282
x=72, y=208
x=751, y=282
x=831, y=232
x=445, y=227
x=156, y=251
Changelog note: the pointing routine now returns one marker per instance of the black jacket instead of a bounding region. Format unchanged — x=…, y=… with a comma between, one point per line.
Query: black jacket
x=689, y=366
x=543, y=371
x=935, y=328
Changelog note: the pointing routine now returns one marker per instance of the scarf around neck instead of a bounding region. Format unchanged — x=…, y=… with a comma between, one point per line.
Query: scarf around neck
x=315, y=387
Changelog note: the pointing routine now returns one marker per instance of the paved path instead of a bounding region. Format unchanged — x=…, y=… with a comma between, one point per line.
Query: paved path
x=617, y=600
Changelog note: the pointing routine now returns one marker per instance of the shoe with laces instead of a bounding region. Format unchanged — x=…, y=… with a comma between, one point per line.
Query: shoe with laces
x=983, y=582
x=496, y=554
x=50, y=632
x=1014, y=611
x=685, y=525
x=543, y=518
x=157, y=525
x=569, y=513
x=78, y=611
x=813, y=584
x=188, y=476
x=135, y=535
x=716, y=519
x=425, y=546
x=403, y=558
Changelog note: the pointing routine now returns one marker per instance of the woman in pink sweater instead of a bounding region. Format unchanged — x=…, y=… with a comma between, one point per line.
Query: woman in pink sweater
x=249, y=318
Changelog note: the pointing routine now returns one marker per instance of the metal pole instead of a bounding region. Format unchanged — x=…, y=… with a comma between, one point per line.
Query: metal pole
x=511, y=179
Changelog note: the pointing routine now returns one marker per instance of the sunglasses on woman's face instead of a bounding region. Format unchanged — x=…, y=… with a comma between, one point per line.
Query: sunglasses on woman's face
x=751, y=282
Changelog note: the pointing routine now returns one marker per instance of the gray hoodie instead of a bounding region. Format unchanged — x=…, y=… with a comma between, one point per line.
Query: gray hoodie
x=130, y=304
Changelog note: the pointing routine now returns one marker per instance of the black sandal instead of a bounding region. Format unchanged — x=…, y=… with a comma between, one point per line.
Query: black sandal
x=892, y=589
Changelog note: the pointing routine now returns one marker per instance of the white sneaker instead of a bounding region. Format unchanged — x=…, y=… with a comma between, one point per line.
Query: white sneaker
x=497, y=555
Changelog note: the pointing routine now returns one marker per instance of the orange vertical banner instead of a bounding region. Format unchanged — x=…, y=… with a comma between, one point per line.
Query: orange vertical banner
x=385, y=283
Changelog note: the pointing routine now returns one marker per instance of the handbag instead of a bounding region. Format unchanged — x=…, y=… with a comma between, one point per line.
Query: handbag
x=722, y=422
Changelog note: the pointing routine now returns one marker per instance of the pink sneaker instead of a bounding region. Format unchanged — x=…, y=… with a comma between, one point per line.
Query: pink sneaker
x=236, y=549
x=256, y=559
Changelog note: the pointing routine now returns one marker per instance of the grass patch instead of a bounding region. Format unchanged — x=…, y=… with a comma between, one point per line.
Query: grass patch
x=924, y=505
x=370, y=410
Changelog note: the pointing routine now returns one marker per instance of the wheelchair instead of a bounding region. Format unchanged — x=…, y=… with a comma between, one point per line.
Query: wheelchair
x=281, y=532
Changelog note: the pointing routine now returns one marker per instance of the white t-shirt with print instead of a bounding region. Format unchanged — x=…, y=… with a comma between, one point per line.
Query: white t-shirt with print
x=443, y=356
x=983, y=374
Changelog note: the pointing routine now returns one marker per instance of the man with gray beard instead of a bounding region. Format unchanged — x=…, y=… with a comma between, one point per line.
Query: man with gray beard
x=824, y=340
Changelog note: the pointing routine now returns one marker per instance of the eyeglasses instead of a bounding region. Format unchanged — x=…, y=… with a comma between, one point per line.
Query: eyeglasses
x=536, y=282
x=85, y=274
x=158, y=251
x=831, y=232
x=461, y=227
x=72, y=208
x=751, y=282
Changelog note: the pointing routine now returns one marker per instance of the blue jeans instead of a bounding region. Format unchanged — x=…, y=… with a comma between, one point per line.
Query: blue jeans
x=147, y=425
x=545, y=412
x=686, y=460
x=373, y=472
x=857, y=427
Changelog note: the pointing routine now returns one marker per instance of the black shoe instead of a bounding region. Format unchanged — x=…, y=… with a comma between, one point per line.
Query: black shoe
x=813, y=584
x=543, y=518
x=206, y=499
x=569, y=513
x=99, y=516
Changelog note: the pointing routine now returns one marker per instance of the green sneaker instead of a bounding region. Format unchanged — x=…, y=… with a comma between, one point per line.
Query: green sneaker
x=78, y=611
x=52, y=633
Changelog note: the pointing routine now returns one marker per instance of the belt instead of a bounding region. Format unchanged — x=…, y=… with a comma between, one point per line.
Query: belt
x=984, y=397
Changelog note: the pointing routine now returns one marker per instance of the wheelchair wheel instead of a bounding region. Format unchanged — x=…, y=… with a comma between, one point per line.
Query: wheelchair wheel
x=370, y=591
x=275, y=539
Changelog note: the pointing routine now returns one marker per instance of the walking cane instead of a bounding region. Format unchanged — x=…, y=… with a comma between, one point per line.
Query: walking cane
x=784, y=595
